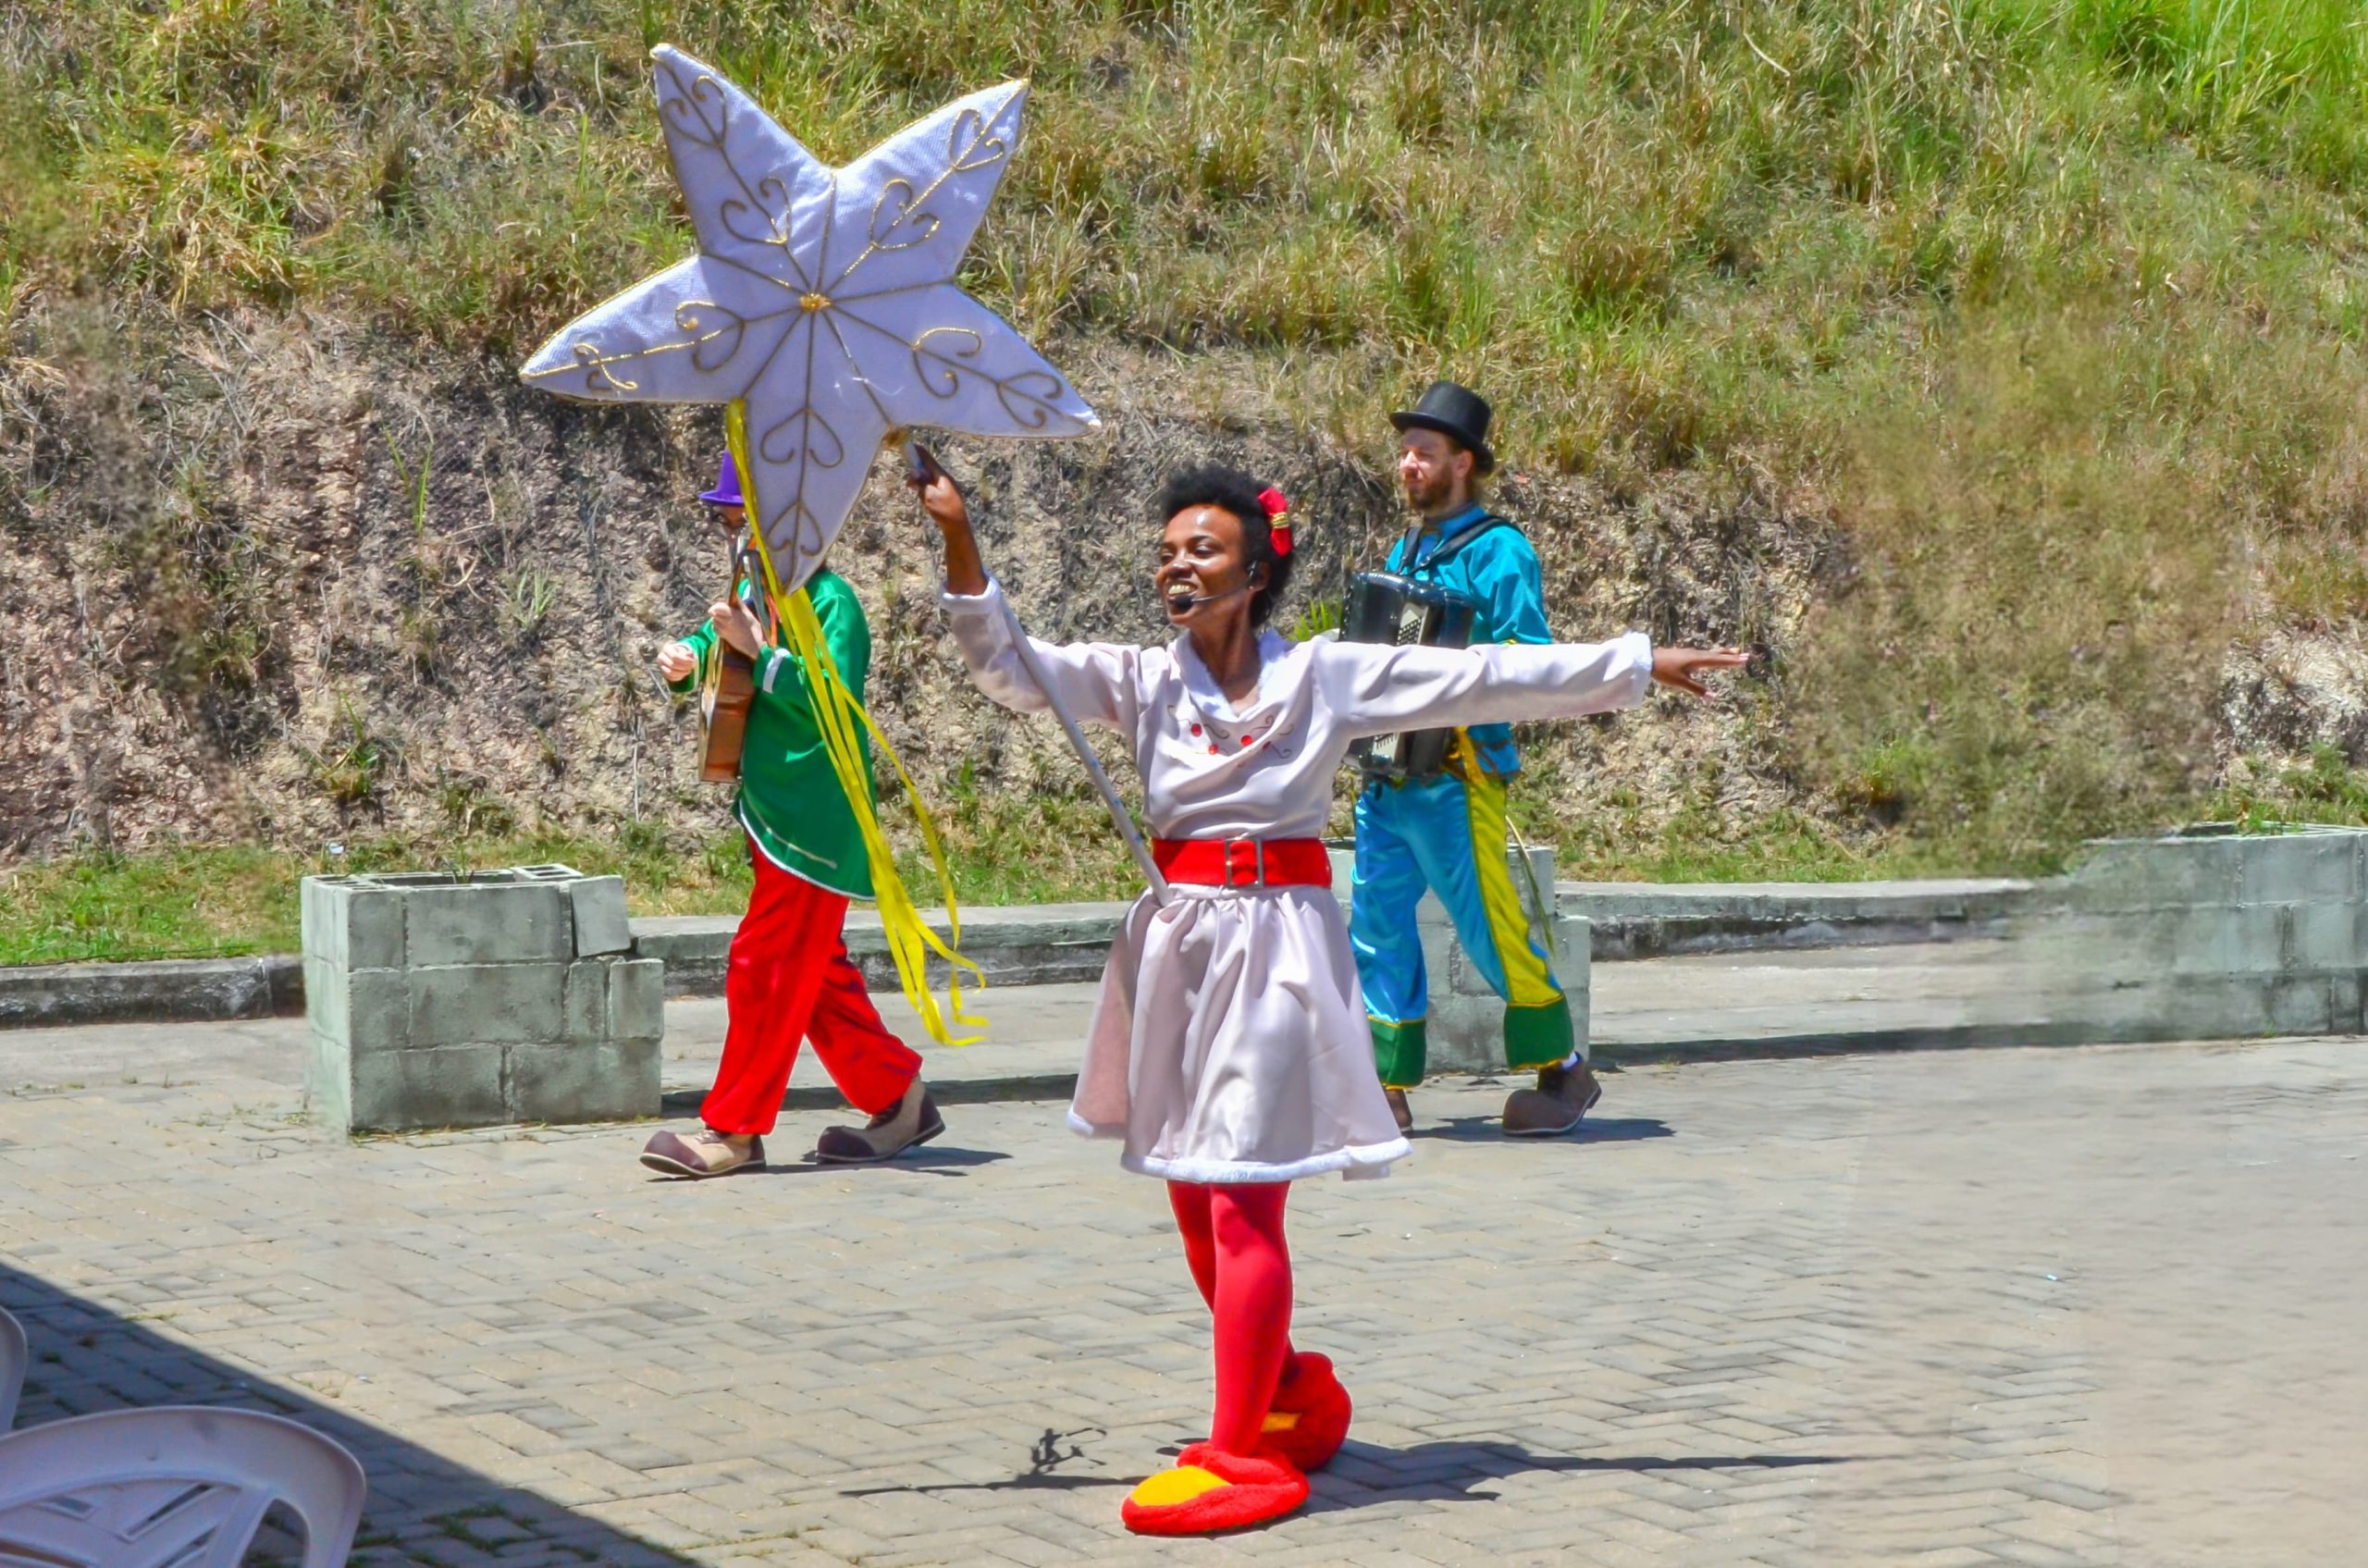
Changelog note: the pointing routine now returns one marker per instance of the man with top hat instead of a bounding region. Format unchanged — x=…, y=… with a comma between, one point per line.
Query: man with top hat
x=1447, y=834
x=789, y=978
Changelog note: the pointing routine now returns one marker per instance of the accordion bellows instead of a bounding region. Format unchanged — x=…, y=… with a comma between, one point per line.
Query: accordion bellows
x=1386, y=608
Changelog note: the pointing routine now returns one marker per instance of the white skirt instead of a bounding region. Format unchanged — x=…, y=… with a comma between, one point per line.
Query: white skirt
x=1228, y=1045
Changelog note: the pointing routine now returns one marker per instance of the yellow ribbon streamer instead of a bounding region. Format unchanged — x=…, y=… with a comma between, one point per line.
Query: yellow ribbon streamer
x=837, y=713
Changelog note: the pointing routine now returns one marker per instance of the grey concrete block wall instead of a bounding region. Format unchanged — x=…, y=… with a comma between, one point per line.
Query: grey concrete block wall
x=503, y=997
x=1466, y=1029
x=2208, y=934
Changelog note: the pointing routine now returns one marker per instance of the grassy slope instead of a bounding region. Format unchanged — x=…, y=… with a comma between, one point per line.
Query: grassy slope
x=2058, y=302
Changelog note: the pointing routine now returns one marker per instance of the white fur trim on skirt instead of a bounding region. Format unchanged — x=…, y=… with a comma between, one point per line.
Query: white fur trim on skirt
x=1228, y=1044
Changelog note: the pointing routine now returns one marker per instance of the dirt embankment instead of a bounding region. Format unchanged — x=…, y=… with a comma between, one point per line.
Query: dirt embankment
x=285, y=578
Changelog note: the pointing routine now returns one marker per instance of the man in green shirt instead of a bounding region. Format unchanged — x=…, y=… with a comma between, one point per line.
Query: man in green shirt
x=789, y=977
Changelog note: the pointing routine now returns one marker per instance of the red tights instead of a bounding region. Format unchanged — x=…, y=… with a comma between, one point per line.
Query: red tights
x=1233, y=1241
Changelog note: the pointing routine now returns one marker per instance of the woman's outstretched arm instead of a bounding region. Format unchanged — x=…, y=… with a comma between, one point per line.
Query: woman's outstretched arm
x=1375, y=687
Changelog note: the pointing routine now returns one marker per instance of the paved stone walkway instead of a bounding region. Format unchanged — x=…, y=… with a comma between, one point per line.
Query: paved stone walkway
x=2095, y=1306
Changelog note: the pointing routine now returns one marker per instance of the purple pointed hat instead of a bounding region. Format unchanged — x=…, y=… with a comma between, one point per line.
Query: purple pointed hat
x=727, y=487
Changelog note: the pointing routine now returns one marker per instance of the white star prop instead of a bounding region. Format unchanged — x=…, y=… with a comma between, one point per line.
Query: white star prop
x=823, y=300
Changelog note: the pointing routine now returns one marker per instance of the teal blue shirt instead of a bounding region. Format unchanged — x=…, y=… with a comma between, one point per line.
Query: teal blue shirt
x=1500, y=570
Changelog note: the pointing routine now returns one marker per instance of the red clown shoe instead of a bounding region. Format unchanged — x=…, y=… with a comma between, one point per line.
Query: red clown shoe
x=1309, y=1415
x=1210, y=1491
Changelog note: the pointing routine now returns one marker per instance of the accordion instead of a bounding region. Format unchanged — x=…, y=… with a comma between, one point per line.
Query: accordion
x=1386, y=608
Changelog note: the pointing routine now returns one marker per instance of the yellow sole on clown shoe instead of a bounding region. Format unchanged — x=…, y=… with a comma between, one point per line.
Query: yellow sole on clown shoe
x=1210, y=1491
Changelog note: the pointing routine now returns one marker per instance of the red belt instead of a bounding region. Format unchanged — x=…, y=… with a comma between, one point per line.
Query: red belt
x=1244, y=862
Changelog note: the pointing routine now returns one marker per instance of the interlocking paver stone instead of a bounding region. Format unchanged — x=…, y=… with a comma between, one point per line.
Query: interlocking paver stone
x=2073, y=1306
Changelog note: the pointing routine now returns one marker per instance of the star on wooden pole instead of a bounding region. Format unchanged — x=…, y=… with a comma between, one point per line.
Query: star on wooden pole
x=822, y=300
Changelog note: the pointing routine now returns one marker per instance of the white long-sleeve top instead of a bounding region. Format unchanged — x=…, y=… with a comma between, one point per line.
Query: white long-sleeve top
x=1266, y=770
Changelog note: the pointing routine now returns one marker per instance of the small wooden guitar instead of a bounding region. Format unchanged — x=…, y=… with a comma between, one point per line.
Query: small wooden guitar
x=724, y=705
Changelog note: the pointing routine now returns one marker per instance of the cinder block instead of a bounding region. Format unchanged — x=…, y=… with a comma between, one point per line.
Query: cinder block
x=584, y=1080
x=350, y=923
x=373, y=929
x=637, y=999
x=328, y=1083
x=1464, y=976
x=447, y=1086
x=365, y=1008
x=465, y=1004
x=1466, y=1034
x=378, y=1010
x=488, y=924
x=1573, y=950
x=2131, y=874
x=585, y=1003
x=2232, y=1007
x=2347, y=1003
x=2240, y=940
x=2140, y=943
x=2301, y=1005
x=320, y=906
x=2299, y=869
x=435, y=1003
x=324, y=998
x=599, y=912
x=2325, y=937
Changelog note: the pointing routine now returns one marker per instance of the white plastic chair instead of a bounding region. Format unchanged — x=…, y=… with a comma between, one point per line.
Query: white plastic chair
x=181, y=1486
x=14, y=1358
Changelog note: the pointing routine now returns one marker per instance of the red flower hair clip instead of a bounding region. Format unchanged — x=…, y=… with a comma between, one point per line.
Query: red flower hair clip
x=1279, y=511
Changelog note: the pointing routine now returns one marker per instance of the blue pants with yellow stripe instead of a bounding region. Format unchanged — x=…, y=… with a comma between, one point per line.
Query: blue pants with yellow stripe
x=1447, y=836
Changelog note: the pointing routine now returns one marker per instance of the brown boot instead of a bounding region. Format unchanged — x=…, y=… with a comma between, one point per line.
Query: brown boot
x=911, y=1120
x=1400, y=1108
x=1563, y=1095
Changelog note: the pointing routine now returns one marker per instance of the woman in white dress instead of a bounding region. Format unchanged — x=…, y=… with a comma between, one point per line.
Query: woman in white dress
x=1227, y=1050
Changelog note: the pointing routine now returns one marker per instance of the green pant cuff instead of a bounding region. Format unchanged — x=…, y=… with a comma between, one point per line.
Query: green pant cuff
x=1399, y=1051
x=1537, y=1037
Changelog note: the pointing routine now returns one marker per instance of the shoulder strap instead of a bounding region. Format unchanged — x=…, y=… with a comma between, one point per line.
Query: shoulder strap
x=1489, y=523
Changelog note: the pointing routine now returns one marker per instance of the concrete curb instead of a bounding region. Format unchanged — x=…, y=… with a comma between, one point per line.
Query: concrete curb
x=1014, y=944
x=165, y=991
x=1879, y=1041
x=1062, y=943
x=1652, y=921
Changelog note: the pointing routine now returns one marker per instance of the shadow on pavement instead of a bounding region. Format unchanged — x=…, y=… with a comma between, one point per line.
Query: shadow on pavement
x=424, y=1508
x=1595, y=1130
x=924, y=1161
x=1363, y=1474
x=1042, y=1475
x=1452, y=1471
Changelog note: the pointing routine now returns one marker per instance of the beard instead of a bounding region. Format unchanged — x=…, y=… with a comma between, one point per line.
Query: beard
x=1424, y=495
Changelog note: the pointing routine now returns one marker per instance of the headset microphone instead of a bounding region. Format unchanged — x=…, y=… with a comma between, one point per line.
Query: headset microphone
x=1194, y=601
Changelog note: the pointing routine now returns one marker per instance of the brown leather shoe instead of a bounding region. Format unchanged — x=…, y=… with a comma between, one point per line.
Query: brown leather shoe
x=1563, y=1096
x=705, y=1153
x=911, y=1120
x=1400, y=1108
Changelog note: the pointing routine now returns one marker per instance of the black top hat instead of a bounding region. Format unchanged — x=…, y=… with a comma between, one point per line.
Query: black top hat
x=1452, y=410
